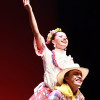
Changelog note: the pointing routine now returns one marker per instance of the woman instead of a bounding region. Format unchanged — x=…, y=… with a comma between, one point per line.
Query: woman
x=53, y=61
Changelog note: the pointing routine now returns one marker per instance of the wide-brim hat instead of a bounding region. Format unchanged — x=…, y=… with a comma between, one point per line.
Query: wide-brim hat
x=61, y=74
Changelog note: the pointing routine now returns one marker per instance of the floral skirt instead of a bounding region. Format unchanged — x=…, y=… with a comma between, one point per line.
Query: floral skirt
x=41, y=94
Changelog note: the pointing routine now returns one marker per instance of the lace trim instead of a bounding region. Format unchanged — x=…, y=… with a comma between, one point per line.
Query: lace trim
x=54, y=60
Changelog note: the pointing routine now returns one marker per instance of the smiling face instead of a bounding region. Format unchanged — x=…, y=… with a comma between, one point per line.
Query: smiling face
x=60, y=41
x=74, y=79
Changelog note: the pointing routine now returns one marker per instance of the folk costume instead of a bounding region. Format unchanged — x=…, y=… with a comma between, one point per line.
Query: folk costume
x=53, y=62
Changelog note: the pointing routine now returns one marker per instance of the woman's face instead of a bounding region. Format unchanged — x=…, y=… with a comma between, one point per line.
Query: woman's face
x=60, y=41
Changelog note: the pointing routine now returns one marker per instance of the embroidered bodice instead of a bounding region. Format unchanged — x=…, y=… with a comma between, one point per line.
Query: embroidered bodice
x=60, y=58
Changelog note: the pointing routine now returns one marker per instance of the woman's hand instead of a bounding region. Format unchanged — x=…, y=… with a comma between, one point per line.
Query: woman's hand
x=26, y=3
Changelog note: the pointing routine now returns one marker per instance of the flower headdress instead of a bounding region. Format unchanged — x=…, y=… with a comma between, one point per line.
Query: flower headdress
x=49, y=36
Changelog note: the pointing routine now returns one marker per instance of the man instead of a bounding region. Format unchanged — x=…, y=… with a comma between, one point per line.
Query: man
x=70, y=80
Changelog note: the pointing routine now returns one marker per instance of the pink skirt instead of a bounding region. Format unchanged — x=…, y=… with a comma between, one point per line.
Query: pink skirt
x=41, y=94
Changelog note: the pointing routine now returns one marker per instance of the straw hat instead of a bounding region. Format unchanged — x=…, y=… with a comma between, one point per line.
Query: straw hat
x=61, y=74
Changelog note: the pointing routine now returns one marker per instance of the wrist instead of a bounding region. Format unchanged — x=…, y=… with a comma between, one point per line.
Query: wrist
x=28, y=7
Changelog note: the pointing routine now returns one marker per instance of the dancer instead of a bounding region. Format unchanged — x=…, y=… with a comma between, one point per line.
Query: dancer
x=70, y=80
x=53, y=61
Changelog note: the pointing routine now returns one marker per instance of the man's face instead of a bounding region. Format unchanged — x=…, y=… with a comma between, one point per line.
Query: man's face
x=74, y=79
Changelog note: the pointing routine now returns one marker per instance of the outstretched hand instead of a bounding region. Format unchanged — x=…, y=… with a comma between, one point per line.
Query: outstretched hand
x=26, y=3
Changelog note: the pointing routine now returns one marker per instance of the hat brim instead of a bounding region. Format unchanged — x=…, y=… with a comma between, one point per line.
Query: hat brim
x=61, y=74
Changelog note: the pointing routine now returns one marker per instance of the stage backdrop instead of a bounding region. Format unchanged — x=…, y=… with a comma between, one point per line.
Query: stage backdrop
x=20, y=69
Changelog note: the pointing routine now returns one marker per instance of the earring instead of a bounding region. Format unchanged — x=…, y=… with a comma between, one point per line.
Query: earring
x=54, y=45
x=65, y=49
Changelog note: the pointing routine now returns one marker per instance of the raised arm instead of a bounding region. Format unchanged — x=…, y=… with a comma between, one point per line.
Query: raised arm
x=33, y=23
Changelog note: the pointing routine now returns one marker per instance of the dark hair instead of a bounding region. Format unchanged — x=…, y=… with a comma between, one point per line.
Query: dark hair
x=66, y=74
x=50, y=45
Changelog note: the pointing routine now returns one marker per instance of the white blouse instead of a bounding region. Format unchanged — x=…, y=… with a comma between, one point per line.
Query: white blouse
x=50, y=69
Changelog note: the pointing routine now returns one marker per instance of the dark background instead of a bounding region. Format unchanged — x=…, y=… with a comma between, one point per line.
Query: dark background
x=20, y=69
